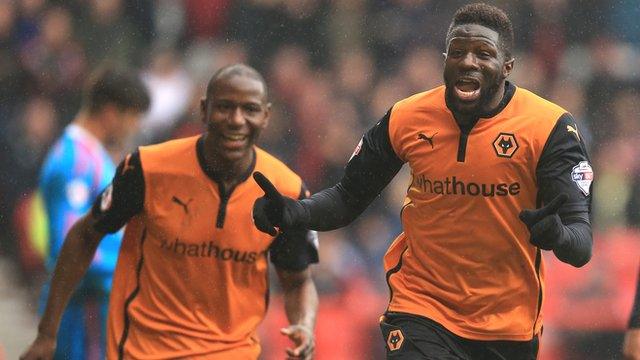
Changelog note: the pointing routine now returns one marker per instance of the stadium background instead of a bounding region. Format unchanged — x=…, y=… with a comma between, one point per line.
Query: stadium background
x=333, y=68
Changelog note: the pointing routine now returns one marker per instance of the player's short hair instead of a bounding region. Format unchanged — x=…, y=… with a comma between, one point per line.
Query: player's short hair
x=110, y=84
x=234, y=70
x=487, y=16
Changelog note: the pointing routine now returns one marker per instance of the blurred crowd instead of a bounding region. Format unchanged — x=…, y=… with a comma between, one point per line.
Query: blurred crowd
x=334, y=67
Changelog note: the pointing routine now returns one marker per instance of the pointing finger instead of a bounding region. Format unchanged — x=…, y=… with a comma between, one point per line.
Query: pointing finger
x=270, y=191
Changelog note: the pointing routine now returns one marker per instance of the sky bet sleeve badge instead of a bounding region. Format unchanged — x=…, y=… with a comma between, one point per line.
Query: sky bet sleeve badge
x=582, y=175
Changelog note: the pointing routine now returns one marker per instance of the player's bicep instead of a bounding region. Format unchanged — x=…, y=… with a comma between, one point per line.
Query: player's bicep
x=122, y=199
x=373, y=164
x=564, y=167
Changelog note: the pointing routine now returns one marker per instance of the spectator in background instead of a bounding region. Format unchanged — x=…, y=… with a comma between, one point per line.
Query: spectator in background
x=56, y=60
x=76, y=170
x=107, y=32
x=171, y=90
x=26, y=137
x=28, y=24
x=12, y=77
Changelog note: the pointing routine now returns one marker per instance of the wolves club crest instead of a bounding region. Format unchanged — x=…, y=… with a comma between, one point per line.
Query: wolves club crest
x=505, y=145
x=395, y=340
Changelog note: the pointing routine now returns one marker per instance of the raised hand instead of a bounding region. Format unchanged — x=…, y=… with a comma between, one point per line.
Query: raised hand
x=544, y=223
x=267, y=210
x=273, y=212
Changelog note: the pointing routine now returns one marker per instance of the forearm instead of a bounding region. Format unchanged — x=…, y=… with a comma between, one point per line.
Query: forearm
x=575, y=248
x=331, y=209
x=301, y=303
x=75, y=257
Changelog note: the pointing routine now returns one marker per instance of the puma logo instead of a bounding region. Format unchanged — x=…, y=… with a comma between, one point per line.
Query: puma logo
x=573, y=130
x=426, y=138
x=184, y=205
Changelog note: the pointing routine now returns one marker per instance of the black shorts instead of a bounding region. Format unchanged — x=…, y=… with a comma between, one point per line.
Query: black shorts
x=413, y=337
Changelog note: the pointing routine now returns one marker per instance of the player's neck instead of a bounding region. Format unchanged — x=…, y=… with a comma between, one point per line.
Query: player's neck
x=229, y=173
x=494, y=104
x=91, y=126
x=467, y=120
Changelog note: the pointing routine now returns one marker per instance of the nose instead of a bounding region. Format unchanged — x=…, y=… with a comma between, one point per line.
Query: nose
x=236, y=117
x=469, y=61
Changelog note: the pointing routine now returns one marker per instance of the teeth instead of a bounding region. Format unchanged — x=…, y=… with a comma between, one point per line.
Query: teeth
x=235, y=137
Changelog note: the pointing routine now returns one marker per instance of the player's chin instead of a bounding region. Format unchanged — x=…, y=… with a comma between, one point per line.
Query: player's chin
x=467, y=107
x=236, y=153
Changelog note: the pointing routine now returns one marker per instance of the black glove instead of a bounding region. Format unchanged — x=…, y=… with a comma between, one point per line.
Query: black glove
x=273, y=212
x=545, y=226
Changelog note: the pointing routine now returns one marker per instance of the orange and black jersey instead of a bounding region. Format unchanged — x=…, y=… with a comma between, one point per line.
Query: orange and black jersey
x=464, y=258
x=191, y=279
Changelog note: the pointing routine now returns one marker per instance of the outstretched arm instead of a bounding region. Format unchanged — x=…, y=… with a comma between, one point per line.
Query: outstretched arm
x=372, y=166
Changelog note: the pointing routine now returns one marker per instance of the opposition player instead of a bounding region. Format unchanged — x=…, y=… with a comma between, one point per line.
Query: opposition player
x=466, y=275
x=76, y=170
x=631, y=346
x=192, y=273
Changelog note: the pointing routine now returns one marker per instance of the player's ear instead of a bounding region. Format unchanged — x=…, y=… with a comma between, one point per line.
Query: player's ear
x=508, y=67
x=267, y=115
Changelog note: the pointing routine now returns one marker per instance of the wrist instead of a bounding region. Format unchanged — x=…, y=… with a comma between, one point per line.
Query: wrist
x=46, y=332
x=300, y=214
x=563, y=236
x=306, y=328
x=46, y=335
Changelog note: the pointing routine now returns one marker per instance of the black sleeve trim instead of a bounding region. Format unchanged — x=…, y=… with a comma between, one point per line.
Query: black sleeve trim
x=123, y=198
x=295, y=249
x=562, y=153
x=372, y=166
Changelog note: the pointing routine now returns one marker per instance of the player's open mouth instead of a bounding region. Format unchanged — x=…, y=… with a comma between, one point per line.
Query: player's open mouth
x=467, y=89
